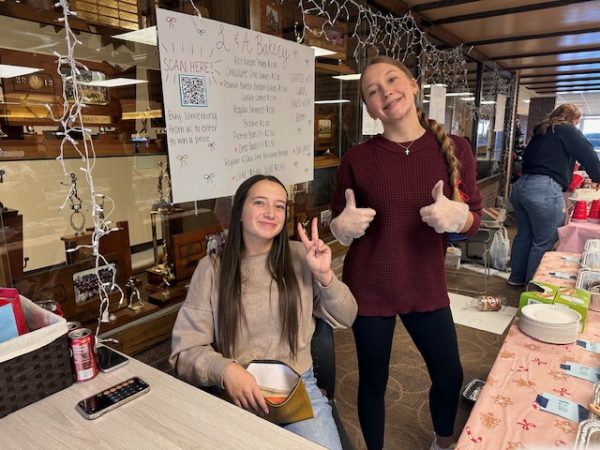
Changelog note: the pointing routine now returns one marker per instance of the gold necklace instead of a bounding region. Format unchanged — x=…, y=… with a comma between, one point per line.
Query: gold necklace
x=407, y=147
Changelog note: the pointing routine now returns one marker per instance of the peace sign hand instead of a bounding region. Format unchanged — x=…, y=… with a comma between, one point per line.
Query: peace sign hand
x=318, y=254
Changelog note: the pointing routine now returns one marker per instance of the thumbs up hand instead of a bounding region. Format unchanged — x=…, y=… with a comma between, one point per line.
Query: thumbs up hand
x=352, y=222
x=444, y=215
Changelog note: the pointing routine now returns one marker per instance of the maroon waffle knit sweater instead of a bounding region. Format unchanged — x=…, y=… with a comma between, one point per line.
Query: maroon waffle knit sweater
x=398, y=265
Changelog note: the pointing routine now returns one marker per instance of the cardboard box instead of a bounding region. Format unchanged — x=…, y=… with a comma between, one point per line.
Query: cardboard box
x=538, y=292
x=542, y=292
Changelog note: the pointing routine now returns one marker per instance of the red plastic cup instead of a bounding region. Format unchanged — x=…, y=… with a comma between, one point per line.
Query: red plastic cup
x=594, y=212
x=575, y=182
x=580, y=210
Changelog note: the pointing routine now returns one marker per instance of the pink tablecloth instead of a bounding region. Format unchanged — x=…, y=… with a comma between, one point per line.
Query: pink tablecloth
x=572, y=236
x=504, y=416
x=558, y=262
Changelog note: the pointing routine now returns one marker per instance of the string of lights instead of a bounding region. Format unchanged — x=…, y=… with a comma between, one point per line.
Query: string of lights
x=401, y=38
x=76, y=136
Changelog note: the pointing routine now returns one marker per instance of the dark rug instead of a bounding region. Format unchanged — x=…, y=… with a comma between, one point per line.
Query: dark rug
x=408, y=422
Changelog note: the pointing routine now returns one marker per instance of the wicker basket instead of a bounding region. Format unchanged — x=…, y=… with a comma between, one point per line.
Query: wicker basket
x=35, y=374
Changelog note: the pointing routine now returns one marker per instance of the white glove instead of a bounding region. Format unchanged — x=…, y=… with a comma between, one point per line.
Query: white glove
x=444, y=215
x=352, y=222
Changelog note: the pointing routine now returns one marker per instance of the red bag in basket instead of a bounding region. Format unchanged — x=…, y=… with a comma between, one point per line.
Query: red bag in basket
x=10, y=295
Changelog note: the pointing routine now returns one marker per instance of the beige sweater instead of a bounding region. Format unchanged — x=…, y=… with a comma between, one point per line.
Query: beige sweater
x=194, y=356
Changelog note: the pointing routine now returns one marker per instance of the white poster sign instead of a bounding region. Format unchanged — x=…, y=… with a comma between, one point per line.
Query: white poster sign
x=237, y=103
x=500, y=109
x=437, y=103
x=370, y=126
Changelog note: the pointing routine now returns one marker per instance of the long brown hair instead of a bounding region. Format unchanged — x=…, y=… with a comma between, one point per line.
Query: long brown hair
x=567, y=113
x=230, y=277
x=447, y=146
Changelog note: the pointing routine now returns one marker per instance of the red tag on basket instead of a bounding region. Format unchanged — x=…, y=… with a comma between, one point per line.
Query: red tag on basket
x=11, y=296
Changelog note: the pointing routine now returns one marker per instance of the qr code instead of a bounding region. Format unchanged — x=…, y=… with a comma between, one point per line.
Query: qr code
x=192, y=90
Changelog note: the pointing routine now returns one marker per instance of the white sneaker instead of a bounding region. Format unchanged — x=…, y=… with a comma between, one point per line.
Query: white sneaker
x=435, y=446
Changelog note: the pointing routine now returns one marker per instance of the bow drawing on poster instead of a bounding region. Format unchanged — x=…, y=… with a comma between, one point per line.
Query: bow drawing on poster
x=237, y=102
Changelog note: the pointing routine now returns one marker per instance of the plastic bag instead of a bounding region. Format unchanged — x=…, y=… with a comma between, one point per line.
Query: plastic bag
x=500, y=250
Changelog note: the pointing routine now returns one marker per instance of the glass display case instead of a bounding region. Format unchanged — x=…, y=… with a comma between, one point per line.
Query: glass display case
x=50, y=241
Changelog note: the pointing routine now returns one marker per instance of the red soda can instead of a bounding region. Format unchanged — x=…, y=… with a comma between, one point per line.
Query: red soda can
x=83, y=356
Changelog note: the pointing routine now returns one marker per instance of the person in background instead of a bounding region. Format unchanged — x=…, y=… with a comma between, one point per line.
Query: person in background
x=257, y=300
x=537, y=196
x=397, y=198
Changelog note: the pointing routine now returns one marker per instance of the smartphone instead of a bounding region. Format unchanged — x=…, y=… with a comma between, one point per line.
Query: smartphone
x=108, y=359
x=112, y=397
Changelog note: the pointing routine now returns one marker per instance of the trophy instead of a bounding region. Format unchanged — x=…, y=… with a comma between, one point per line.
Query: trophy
x=161, y=275
x=163, y=183
x=135, y=298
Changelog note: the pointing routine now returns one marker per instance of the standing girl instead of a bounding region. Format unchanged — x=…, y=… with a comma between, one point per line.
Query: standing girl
x=258, y=301
x=397, y=197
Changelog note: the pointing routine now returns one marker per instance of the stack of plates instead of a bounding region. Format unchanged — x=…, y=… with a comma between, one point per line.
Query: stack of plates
x=556, y=324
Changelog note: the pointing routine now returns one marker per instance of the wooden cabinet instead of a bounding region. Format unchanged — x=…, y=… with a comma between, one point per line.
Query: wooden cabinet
x=11, y=246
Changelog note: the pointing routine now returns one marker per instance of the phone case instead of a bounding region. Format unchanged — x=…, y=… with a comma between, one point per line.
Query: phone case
x=112, y=397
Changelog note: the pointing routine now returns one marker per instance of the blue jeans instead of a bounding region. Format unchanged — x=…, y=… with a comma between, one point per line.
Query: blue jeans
x=321, y=428
x=540, y=209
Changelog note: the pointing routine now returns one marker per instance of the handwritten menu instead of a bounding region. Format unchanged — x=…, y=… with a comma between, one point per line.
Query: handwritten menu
x=237, y=103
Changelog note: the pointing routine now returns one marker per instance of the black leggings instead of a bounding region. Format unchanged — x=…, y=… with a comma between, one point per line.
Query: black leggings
x=435, y=337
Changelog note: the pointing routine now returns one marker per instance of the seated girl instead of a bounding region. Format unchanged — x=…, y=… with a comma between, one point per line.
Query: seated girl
x=257, y=300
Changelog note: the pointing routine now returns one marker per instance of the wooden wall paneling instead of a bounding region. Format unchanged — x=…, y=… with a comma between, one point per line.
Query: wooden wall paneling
x=56, y=283
x=188, y=248
x=11, y=235
x=47, y=15
x=46, y=86
x=151, y=331
x=334, y=38
x=266, y=16
x=25, y=98
x=489, y=189
x=115, y=242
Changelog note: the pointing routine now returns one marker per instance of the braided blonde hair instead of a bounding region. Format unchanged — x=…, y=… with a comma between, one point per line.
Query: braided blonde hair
x=565, y=113
x=447, y=146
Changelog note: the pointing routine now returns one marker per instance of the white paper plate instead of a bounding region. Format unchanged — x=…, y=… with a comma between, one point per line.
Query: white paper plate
x=548, y=334
x=551, y=326
x=551, y=314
